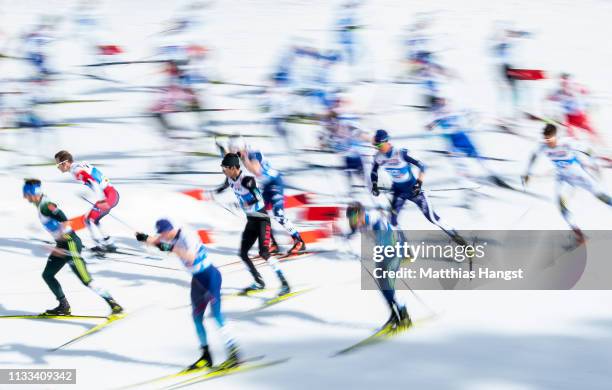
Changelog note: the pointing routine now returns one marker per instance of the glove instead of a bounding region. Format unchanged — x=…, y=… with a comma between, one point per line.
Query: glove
x=417, y=188
x=141, y=237
x=375, y=190
x=162, y=246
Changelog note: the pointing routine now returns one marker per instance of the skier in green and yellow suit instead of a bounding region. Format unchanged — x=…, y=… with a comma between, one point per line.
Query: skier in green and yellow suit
x=67, y=250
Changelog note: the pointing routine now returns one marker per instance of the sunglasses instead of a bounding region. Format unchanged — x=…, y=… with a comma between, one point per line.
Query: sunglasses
x=61, y=163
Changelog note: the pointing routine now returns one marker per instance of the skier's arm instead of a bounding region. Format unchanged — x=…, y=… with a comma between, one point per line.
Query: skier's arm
x=249, y=183
x=222, y=187
x=155, y=241
x=374, y=177
x=221, y=148
x=252, y=165
x=415, y=162
x=149, y=240
x=89, y=181
x=52, y=211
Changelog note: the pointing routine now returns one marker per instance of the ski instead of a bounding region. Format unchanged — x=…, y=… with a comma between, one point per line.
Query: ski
x=247, y=293
x=186, y=372
x=71, y=101
x=281, y=298
x=287, y=255
x=32, y=127
x=382, y=334
x=110, y=319
x=111, y=63
x=224, y=370
x=52, y=317
x=299, y=255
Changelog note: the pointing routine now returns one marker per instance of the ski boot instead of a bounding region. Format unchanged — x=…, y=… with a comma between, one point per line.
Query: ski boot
x=115, y=307
x=392, y=323
x=458, y=239
x=285, y=289
x=233, y=356
x=204, y=361
x=98, y=251
x=404, y=319
x=257, y=285
x=108, y=246
x=273, y=247
x=63, y=309
x=298, y=246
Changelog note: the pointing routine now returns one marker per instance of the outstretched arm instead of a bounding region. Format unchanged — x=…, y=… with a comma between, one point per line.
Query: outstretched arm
x=222, y=187
x=252, y=165
x=415, y=162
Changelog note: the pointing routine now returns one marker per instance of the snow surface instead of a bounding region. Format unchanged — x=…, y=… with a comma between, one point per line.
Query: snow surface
x=480, y=340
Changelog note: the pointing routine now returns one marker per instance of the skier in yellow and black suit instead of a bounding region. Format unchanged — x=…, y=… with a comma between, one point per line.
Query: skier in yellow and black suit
x=67, y=250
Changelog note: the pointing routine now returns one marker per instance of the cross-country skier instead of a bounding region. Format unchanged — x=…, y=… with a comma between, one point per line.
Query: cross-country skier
x=405, y=186
x=93, y=178
x=258, y=222
x=506, y=42
x=271, y=182
x=346, y=27
x=205, y=283
x=316, y=85
x=36, y=48
x=417, y=43
x=571, y=172
x=67, y=250
x=456, y=127
x=177, y=96
x=571, y=99
x=343, y=135
x=361, y=220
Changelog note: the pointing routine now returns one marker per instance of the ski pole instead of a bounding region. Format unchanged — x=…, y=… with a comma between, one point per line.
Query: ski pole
x=115, y=217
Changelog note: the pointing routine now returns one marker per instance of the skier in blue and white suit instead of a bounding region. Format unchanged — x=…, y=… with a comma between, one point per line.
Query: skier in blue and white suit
x=271, y=183
x=405, y=186
x=205, y=282
x=571, y=168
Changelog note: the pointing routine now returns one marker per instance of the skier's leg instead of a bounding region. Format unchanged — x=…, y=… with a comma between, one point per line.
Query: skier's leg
x=397, y=202
x=199, y=300
x=422, y=201
x=264, y=238
x=214, y=291
x=588, y=183
x=74, y=246
x=249, y=236
x=76, y=262
x=54, y=264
